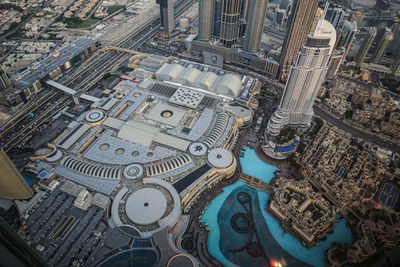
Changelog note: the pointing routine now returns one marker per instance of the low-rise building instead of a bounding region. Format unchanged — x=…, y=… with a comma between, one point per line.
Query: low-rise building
x=301, y=210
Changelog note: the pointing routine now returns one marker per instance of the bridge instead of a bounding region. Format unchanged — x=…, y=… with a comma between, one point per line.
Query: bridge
x=120, y=49
x=68, y=91
x=256, y=183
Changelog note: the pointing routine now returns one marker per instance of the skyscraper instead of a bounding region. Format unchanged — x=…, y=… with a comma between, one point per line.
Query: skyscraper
x=305, y=79
x=282, y=13
x=299, y=25
x=336, y=16
x=382, y=45
x=230, y=24
x=4, y=80
x=396, y=66
x=335, y=62
x=230, y=20
x=12, y=184
x=167, y=16
x=206, y=17
x=356, y=16
x=255, y=25
x=365, y=46
x=349, y=31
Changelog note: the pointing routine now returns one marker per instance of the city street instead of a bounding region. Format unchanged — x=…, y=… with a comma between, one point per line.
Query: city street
x=356, y=132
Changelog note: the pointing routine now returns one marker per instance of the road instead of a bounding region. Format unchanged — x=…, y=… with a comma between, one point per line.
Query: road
x=355, y=131
x=90, y=72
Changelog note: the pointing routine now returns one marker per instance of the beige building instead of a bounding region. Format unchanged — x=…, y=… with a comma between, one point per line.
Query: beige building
x=12, y=184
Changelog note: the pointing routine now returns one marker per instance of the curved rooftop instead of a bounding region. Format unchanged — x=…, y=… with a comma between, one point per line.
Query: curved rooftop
x=228, y=84
x=220, y=158
x=180, y=260
x=206, y=80
x=146, y=206
x=91, y=169
x=325, y=30
x=188, y=76
x=169, y=72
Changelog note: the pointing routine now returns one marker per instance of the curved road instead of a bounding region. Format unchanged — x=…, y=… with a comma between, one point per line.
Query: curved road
x=355, y=131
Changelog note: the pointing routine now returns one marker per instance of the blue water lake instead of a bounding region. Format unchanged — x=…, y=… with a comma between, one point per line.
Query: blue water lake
x=253, y=166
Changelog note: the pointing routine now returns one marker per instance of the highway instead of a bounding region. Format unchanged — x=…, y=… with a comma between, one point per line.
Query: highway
x=355, y=131
x=88, y=74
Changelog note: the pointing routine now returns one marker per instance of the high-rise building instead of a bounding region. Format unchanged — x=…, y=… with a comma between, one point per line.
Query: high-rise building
x=206, y=17
x=4, y=80
x=230, y=22
x=255, y=25
x=222, y=20
x=167, y=16
x=347, y=34
x=282, y=13
x=365, y=46
x=336, y=16
x=217, y=18
x=382, y=46
x=299, y=25
x=396, y=66
x=356, y=16
x=335, y=62
x=304, y=81
x=12, y=184
x=318, y=15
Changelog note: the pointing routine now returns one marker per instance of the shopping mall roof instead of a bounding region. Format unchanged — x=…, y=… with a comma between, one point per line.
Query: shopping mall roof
x=169, y=71
x=212, y=80
x=188, y=76
x=228, y=84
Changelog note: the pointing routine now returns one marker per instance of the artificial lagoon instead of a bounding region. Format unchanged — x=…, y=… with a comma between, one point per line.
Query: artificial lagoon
x=242, y=233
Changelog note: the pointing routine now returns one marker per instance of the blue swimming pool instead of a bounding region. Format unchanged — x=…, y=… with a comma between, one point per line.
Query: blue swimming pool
x=28, y=180
x=252, y=165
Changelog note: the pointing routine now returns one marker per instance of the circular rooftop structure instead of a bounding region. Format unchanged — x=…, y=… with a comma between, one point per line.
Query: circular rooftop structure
x=220, y=158
x=146, y=206
x=180, y=260
x=197, y=149
x=55, y=157
x=94, y=116
x=133, y=171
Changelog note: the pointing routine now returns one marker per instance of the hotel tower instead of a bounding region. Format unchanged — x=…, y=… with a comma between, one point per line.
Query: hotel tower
x=305, y=79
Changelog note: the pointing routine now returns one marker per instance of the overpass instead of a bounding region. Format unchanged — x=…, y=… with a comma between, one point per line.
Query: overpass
x=116, y=48
x=74, y=94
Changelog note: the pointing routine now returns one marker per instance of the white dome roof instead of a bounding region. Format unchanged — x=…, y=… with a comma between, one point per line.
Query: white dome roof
x=228, y=84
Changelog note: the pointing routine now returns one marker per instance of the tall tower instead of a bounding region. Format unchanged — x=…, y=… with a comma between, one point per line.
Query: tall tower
x=365, y=46
x=4, y=80
x=217, y=18
x=356, y=16
x=396, y=66
x=167, y=16
x=349, y=31
x=383, y=44
x=206, y=18
x=305, y=79
x=299, y=25
x=335, y=62
x=230, y=23
x=12, y=185
x=336, y=16
x=255, y=25
x=282, y=13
